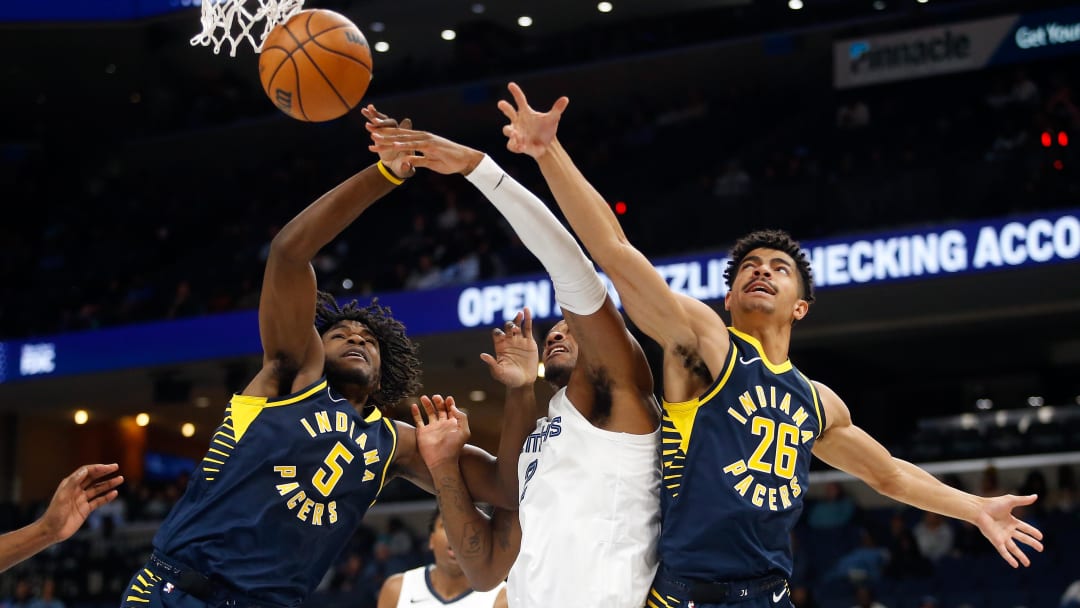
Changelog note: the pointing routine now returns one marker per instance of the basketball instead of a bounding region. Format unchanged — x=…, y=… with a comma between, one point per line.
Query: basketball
x=316, y=66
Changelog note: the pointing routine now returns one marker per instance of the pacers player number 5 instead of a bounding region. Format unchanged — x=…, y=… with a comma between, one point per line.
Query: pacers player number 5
x=786, y=453
x=324, y=480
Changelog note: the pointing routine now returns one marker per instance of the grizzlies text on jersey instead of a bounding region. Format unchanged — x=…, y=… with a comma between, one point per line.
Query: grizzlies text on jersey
x=283, y=486
x=736, y=465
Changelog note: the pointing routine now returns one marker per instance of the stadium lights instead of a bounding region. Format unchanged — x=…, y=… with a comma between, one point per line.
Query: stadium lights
x=381, y=46
x=81, y=416
x=525, y=21
x=540, y=374
x=477, y=395
x=448, y=35
x=604, y=7
x=142, y=419
x=795, y=4
x=984, y=404
x=1035, y=401
x=187, y=430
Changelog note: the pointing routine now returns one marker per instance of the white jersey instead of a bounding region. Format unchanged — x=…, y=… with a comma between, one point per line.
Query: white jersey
x=416, y=592
x=590, y=514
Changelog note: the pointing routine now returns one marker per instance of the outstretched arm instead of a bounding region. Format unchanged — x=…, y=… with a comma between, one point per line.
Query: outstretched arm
x=485, y=548
x=76, y=497
x=287, y=304
x=596, y=323
x=850, y=449
x=683, y=326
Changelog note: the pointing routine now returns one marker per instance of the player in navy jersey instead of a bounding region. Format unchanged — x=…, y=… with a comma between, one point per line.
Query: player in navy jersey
x=740, y=421
x=304, y=448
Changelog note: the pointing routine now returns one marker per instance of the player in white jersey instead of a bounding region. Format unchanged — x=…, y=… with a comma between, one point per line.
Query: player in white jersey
x=589, y=473
x=441, y=583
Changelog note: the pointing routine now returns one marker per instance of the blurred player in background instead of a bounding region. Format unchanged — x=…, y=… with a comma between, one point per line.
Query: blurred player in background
x=589, y=472
x=439, y=584
x=304, y=449
x=740, y=421
x=78, y=495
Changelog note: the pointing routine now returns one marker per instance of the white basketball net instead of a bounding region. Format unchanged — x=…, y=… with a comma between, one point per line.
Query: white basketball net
x=234, y=21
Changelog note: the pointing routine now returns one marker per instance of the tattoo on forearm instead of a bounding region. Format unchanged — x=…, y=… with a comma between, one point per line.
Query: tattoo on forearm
x=456, y=501
x=474, y=540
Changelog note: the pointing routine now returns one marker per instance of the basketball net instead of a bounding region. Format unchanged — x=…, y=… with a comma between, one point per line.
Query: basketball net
x=234, y=21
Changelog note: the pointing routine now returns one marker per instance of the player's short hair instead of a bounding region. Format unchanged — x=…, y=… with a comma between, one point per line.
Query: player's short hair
x=771, y=239
x=399, y=373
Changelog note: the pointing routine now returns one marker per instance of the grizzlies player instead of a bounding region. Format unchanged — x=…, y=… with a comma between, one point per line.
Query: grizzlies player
x=740, y=421
x=439, y=584
x=589, y=472
x=304, y=448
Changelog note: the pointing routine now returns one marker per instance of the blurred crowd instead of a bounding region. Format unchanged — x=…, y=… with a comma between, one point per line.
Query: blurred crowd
x=126, y=239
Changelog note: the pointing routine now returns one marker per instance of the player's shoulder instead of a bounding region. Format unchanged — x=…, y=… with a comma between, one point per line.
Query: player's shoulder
x=391, y=590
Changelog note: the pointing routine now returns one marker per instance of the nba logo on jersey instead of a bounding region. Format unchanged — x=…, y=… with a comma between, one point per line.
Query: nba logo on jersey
x=168, y=588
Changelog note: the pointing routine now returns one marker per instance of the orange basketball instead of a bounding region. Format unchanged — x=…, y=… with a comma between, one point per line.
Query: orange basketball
x=316, y=66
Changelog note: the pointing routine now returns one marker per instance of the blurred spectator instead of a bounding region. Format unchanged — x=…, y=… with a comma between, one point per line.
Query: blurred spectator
x=905, y=558
x=733, y=182
x=834, y=510
x=1065, y=497
x=21, y=597
x=934, y=536
x=864, y=564
x=1035, y=483
x=854, y=115
x=1071, y=597
x=47, y=598
x=988, y=482
x=802, y=597
x=398, y=539
x=864, y=598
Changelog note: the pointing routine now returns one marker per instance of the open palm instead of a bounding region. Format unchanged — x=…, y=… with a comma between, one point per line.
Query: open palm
x=516, y=358
x=1004, y=530
x=530, y=132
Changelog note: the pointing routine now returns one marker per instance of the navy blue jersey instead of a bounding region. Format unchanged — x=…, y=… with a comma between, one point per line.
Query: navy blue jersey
x=736, y=467
x=280, y=492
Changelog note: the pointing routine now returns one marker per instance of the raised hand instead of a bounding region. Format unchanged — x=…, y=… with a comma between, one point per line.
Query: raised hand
x=516, y=357
x=423, y=149
x=78, y=494
x=395, y=159
x=1003, y=530
x=440, y=439
x=530, y=132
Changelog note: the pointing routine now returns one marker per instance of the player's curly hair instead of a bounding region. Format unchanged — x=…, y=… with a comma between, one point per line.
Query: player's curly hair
x=771, y=239
x=399, y=373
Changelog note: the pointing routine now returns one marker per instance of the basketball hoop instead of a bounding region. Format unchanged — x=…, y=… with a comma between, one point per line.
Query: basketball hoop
x=233, y=21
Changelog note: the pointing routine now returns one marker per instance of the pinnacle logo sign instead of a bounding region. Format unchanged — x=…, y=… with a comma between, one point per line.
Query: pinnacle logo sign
x=918, y=53
x=955, y=47
x=936, y=48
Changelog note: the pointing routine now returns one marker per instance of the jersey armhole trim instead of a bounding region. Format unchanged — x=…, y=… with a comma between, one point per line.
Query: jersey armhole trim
x=817, y=404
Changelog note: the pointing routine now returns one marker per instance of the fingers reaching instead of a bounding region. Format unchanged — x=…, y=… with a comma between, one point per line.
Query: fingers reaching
x=417, y=418
x=526, y=322
x=519, y=96
x=507, y=109
x=1029, y=529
